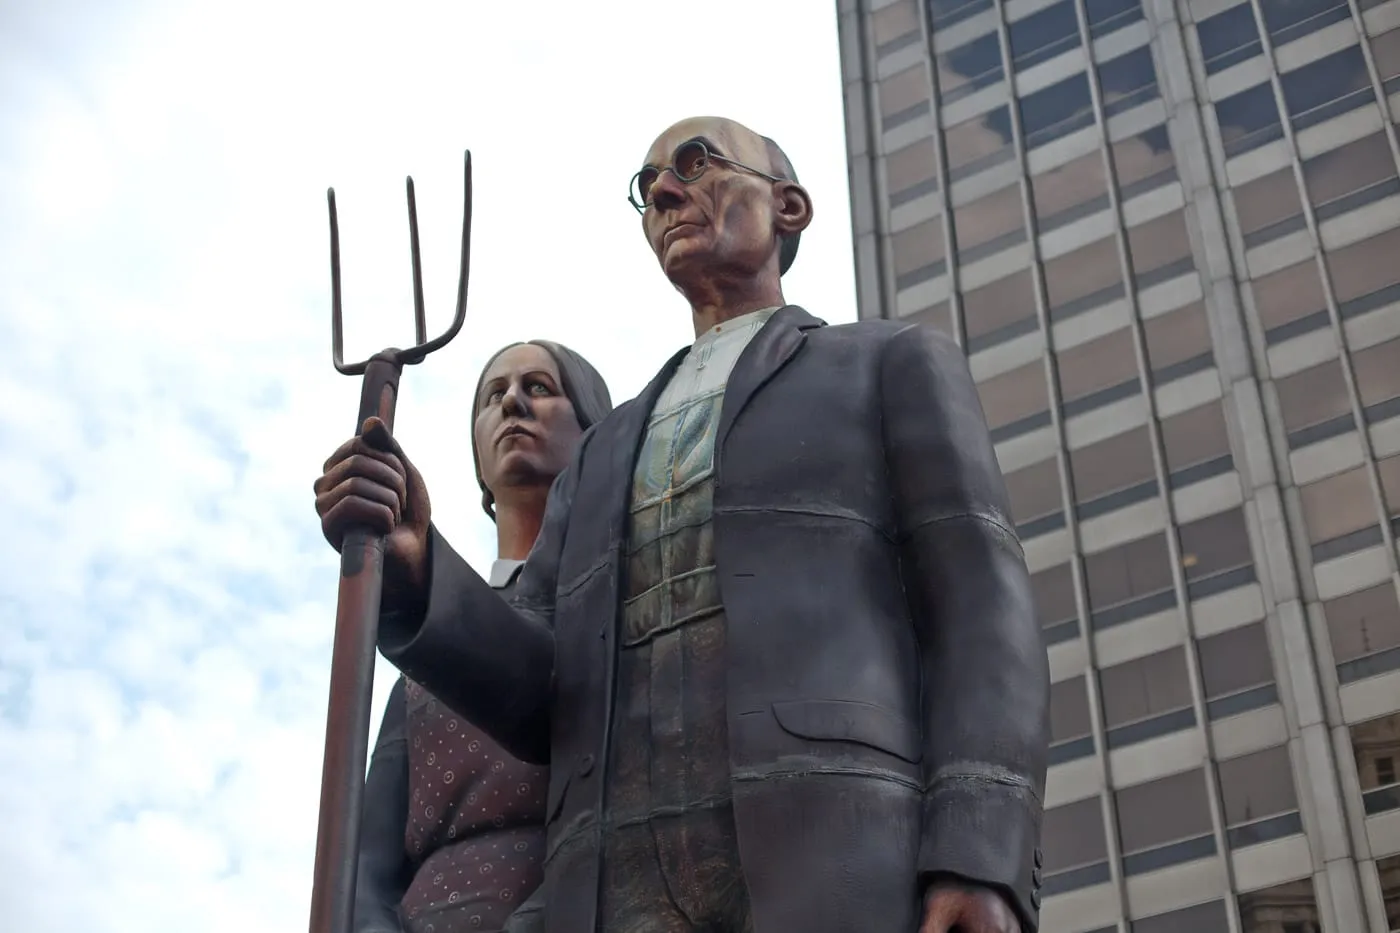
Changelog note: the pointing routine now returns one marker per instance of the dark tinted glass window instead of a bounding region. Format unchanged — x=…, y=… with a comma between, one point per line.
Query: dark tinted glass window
x=1143, y=162
x=1327, y=87
x=1128, y=575
x=1056, y=111
x=979, y=143
x=1163, y=811
x=1044, y=34
x=1235, y=660
x=1290, y=907
x=1128, y=81
x=969, y=68
x=1229, y=38
x=1248, y=119
x=1144, y=687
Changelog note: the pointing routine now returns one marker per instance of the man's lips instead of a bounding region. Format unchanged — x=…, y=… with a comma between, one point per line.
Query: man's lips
x=677, y=228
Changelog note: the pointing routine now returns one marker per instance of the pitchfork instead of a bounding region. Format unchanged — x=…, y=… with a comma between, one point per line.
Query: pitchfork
x=361, y=584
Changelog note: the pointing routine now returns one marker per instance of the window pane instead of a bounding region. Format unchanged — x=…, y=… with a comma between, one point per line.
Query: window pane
x=918, y=253
x=969, y=68
x=1044, y=34
x=904, y=96
x=1389, y=870
x=1326, y=88
x=1088, y=277
x=1257, y=785
x=1118, y=462
x=1338, y=505
x=1143, y=162
x=1163, y=811
x=1235, y=660
x=1197, y=435
x=1128, y=571
x=1377, y=371
x=945, y=13
x=1315, y=403
x=1294, y=19
x=1106, y=16
x=1178, y=343
x=1069, y=710
x=1248, y=120
x=1000, y=310
x=1362, y=270
x=1065, y=194
x=912, y=171
x=1015, y=396
x=1160, y=249
x=1283, y=908
x=1215, y=544
x=939, y=317
x=1056, y=111
x=1363, y=623
x=1389, y=470
x=1105, y=367
x=979, y=143
x=1128, y=81
x=1346, y=178
x=1385, y=49
x=1072, y=835
x=1229, y=38
x=1054, y=594
x=1203, y=918
x=1268, y=207
x=1144, y=687
x=1035, y=493
x=894, y=22
x=1376, y=745
x=989, y=224
x=1290, y=294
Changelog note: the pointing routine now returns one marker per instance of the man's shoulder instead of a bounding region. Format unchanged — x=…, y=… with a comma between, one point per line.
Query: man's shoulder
x=878, y=332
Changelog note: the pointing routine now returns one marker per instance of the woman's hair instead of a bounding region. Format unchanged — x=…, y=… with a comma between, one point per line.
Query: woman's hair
x=583, y=386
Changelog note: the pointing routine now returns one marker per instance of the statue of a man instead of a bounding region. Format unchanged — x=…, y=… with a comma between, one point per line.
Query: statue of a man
x=776, y=638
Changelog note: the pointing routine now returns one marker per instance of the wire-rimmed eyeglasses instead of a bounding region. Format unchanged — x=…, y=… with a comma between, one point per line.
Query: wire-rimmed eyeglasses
x=688, y=163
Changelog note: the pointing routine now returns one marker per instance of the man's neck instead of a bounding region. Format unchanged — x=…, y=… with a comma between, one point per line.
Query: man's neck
x=720, y=306
x=518, y=518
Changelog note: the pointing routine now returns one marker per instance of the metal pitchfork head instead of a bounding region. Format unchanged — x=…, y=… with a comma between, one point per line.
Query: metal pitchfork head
x=361, y=585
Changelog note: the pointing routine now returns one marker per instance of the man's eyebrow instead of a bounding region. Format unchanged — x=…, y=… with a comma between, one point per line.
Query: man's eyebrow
x=709, y=144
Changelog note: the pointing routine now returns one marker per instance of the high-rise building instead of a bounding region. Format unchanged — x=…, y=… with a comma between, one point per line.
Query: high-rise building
x=1167, y=235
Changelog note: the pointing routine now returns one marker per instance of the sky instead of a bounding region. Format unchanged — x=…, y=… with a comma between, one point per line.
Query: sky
x=167, y=396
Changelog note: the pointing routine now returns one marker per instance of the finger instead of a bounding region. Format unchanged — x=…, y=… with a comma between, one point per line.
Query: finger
x=357, y=487
x=372, y=467
x=374, y=517
x=341, y=452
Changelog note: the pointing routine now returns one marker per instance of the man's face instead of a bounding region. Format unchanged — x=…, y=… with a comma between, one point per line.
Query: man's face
x=526, y=428
x=721, y=223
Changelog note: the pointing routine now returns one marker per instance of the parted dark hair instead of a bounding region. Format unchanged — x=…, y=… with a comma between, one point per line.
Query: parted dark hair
x=781, y=167
x=583, y=385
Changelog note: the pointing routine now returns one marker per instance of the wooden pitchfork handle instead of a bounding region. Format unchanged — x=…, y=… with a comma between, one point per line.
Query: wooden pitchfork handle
x=361, y=586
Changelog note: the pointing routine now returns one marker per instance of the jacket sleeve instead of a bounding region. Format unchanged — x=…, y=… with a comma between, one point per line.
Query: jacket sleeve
x=384, y=871
x=985, y=673
x=491, y=661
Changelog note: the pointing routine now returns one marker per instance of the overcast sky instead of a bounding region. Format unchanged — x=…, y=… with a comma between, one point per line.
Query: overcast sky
x=167, y=396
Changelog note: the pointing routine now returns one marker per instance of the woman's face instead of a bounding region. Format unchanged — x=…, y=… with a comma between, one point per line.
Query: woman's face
x=525, y=428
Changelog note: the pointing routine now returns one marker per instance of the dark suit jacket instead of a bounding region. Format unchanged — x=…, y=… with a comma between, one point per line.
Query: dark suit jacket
x=888, y=685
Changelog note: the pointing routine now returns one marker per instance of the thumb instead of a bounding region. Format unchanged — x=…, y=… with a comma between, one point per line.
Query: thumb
x=377, y=435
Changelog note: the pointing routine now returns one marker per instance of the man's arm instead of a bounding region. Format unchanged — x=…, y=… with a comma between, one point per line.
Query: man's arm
x=384, y=869
x=985, y=673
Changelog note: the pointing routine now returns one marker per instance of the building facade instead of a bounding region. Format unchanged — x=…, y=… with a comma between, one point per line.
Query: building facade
x=1167, y=234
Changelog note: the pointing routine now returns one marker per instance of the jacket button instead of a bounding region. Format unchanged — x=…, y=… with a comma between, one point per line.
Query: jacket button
x=1038, y=859
x=585, y=766
x=1035, y=877
x=1035, y=898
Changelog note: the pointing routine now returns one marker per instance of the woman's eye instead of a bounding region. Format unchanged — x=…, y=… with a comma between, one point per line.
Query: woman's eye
x=539, y=388
x=495, y=397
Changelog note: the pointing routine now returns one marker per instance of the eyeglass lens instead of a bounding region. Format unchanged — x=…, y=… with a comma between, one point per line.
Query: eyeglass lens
x=689, y=163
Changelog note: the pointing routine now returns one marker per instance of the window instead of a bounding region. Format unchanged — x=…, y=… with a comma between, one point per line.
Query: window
x=1364, y=628
x=1043, y=35
x=1071, y=734
x=1178, y=343
x=1127, y=81
x=1129, y=581
x=1340, y=514
x=1016, y=401
x=918, y=253
x=895, y=26
x=1385, y=51
x=1035, y=499
x=978, y=144
x=1248, y=120
x=1145, y=698
x=1293, y=20
x=1315, y=404
x=1113, y=473
x=944, y=13
x=1164, y=822
x=939, y=317
x=1328, y=87
x=1143, y=162
x=1365, y=274
x=1083, y=279
x=912, y=172
x=1106, y=16
x=1389, y=470
x=1256, y=790
x=1284, y=908
x=1075, y=846
x=1056, y=111
x=903, y=97
x=1069, y=192
x=1215, y=553
x=1053, y=589
x=1377, y=371
x=1290, y=302
x=1203, y=918
x=1389, y=870
x=1351, y=176
x=1268, y=207
x=1229, y=38
x=989, y=224
x=1237, y=671
x=1376, y=747
x=999, y=311
x=969, y=68
x=1097, y=373
x=1196, y=444
x=1160, y=249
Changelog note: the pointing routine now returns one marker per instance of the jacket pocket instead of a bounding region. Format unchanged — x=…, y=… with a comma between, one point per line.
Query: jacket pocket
x=851, y=721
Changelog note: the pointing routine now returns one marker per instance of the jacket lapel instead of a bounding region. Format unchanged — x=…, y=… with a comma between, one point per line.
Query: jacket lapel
x=767, y=353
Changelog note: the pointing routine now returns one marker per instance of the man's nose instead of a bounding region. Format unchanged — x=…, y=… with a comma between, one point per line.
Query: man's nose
x=667, y=191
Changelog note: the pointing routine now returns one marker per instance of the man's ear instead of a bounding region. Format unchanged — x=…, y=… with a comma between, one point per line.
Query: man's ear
x=794, y=208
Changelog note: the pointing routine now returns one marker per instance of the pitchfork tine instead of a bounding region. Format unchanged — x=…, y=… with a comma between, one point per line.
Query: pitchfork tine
x=420, y=322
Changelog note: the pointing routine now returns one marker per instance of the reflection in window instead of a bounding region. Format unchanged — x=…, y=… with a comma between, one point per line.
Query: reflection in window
x=1083, y=279
x=1105, y=16
x=944, y=13
x=1053, y=590
x=1129, y=581
x=999, y=311
x=1178, y=343
x=1215, y=553
x=912, y=172
x=1164, y=822
x=1260, y=803
x=1388, y=869
x=1268, y=207
x=1202, y=918
x=1294, y=19
x=1248, y=120
x=1034, y=492
x=1160, y=249
x=1364, y=629
x=1315, y=404
x=1339, y=513
x=918, y=253
x=1075, y=846
x=1069, y=192
x=978, y=144
x=1284, y=908
x=989, y=224
x=1350, y=177
x=1377, y=371
x=1236, y=672
x=895, y=26
x=1056, y=111
x=1196, y=445
x=1365, y=275
x=1328, y=87
x=939, y=317
x=1128, y=81
x=1015, y=402
x=1143, y=162
x=1097, y=373
x=969, y=68
x=1071, y=733
x=1290, y=302
x=1229, y=38
x=1376, y=746
x=903, y=97
x=1146, y=697
x=1044, y=34
x=1113, y=473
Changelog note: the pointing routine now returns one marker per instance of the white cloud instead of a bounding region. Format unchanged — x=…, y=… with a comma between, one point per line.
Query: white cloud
x=166, y=603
